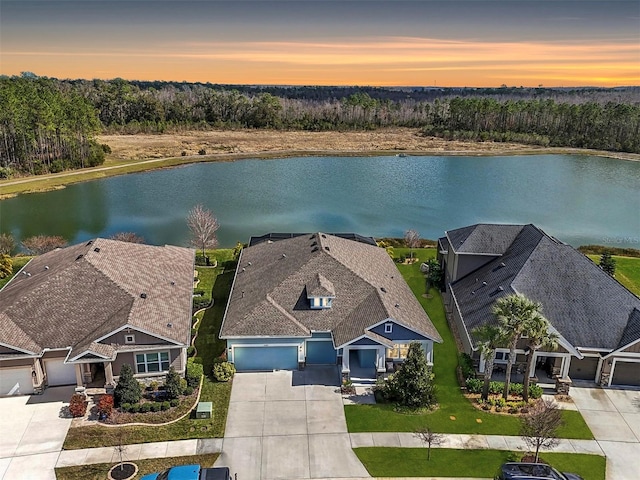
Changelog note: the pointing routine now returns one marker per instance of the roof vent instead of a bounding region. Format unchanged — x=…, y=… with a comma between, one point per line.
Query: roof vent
x=46, y=267
x=473, y=292
x=248, y=264
x=79, y=257
x=484, y=284
x=502, y=264
x=24, y=273
x=500, y=288
x=244, y=269
x=172, y=282
x=314, y=249
x=242, y=294
x=383, y=289
x=97, y=249
x=312, y=236
x=284, y=255
x=326, y=248
x=323, y=236
x=28, y=274
x=397, y=305
x=143, y=295
x=89, y=242
x=170, y=325
x=314, y=244
x=269, y=241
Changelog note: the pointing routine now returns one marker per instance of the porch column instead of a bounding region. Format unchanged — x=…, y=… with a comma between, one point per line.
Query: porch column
x=532, y=370
x=482, y=364
x=79, y=376
x=564, y=368
x=108, y=373
x=427, y=346
x=380, y=359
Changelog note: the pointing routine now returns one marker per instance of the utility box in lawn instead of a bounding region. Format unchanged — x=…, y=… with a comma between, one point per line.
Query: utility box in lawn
x=204, y=410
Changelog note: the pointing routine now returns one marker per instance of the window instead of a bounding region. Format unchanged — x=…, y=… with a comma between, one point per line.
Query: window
x=388, y=327
x=399, y=350
x=129, y=338
x=152, y=362
x=502, y=356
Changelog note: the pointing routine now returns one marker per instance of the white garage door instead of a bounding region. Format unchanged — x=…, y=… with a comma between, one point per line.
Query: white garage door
x=16, y=381
x=59, y=373
x=626, y=373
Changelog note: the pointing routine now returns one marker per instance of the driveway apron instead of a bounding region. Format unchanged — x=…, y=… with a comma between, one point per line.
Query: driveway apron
x=288, y=425
x=613, y=415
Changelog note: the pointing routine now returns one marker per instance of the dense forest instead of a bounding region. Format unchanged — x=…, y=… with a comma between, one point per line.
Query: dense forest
x=48, y=125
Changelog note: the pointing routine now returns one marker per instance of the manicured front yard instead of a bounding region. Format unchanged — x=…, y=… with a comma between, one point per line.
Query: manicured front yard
x=455, y=413
x=445, y=462
x=98, y=471
x=208, y=347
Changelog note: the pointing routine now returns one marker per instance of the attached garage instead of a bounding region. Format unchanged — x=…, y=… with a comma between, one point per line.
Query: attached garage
x=60, y=373
x=626, y=373
x=265, y=358
x=320, y=352
x=16, y=381
x=584, y=369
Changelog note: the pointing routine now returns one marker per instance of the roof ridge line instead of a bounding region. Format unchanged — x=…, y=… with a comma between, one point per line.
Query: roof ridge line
x=281, y=309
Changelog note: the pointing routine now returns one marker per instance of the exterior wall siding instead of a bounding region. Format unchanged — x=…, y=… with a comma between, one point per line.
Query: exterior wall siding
x=635, y=348
x=55, y=354
x=18, y=362
x=365, y=341
x=175, y=358
x=140, y=339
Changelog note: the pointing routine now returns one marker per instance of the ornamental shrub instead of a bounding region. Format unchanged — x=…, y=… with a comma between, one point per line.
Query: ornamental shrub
x=223, y=372
x=174, y=403
x=172, y=385
x=187, y=391
x=155, y=407
x=496, y=387
x=78, y=405
x=146, y=407
x=535, y=391
x=105, y=406
x=474, y=385
x=128, y=389
x=125, y=407
x=134, y=408
x=194, y=374
x=165, y=406
x=516, y=389
x=466, y=364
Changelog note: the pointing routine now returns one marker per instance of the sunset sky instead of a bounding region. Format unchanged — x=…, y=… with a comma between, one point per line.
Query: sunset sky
x=315, y=42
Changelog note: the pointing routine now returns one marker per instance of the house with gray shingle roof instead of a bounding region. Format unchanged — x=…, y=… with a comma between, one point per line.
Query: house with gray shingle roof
x=321, y=299
x=596, y=318
x=74, y=315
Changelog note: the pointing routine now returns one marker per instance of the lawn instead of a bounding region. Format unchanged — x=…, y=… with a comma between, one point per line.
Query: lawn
x=98, y=471
x=208, y=347
x=445, y=462
x=455, y=413
x=207, y=275
x=627, y=271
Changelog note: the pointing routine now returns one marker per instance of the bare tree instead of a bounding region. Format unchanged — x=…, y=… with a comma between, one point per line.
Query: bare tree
x=203, y=226
x=412, y=239
x=540, y=426
x=43, y=243
x=130, y=237
x=7, y=243
x=429, y=438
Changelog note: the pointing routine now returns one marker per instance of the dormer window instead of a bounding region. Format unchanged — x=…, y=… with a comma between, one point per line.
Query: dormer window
x=388, y=327
x=320, y=292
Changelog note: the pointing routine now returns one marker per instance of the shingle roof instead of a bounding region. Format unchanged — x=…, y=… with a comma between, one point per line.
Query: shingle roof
x=269, y=296
x=73, y=296
x=319, y=286
x=584, y=304
x=483, y=238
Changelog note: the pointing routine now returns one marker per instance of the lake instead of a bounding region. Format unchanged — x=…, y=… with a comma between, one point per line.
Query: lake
x=579, y=199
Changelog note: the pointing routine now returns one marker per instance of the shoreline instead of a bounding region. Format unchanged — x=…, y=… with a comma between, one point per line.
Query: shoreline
x=140, y=153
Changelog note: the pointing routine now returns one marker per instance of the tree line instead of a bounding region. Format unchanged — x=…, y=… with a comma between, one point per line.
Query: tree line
x=45, y=126
x=48, y=125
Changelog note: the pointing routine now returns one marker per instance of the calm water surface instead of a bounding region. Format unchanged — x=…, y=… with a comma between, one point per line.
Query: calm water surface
x=579, y=199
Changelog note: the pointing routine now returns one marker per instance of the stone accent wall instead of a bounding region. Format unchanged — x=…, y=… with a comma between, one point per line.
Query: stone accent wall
x=563, y=385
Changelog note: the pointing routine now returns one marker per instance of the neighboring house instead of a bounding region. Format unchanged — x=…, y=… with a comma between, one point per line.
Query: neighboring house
x=76, y=315
x=597, y=319
x=322, y=299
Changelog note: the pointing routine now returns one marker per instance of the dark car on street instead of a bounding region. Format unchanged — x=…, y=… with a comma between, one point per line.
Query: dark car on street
x=532, y=471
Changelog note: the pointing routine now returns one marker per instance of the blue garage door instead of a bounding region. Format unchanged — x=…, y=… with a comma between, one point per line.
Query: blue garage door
x=321, y=353
x=265, y=358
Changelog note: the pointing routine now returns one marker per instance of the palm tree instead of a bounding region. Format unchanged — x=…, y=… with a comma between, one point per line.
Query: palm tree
x=539, y=336
x=489, y=338
x=513, y=312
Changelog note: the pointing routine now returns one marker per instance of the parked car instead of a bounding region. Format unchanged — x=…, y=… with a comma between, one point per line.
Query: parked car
x=190, y=472
x=532, y=471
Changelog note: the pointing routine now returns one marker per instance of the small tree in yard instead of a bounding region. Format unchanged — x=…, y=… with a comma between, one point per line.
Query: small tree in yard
x=540, y=426
x=128, y=389
x=203, y=226
x=433, y=274
x=7, y=243
x=489, y=338
x=412, y=239
x=608, y=263
x=413, y=382
x=6, y=265
x=172, y=384
x=429, y=438
x=130, y=237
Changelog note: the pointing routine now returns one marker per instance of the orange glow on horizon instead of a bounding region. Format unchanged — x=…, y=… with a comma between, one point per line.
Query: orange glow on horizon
x=377, y=62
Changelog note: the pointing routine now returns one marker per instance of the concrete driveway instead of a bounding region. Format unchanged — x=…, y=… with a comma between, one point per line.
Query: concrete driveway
x=33, y=429
x=614, y=418
x=288, y=425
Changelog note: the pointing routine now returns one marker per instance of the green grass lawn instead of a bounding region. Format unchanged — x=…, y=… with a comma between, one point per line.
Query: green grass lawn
x=455, y=413
x=627, y=271
x=207, y=275
x=99, y=471
x=445, y=462
x=209, y=347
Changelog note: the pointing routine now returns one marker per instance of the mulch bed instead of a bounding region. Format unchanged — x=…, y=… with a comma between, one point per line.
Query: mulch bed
x=123, y=472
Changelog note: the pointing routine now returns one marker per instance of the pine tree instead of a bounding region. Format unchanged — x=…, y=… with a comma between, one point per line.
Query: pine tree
x=414, y=379
x=608, y=263
x=172, y=384
x=128, y=389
